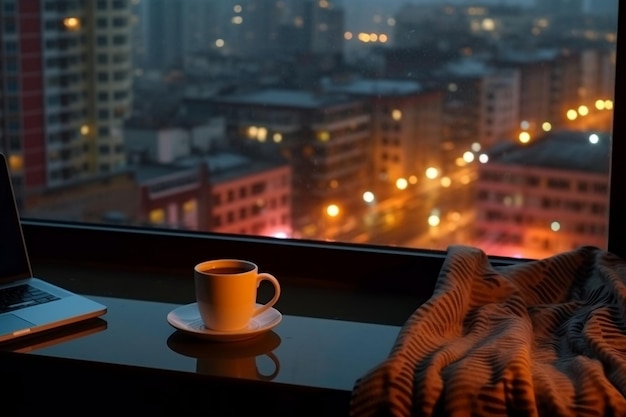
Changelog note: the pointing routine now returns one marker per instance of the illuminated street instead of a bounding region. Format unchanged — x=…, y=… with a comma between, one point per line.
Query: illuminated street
x=404, y=220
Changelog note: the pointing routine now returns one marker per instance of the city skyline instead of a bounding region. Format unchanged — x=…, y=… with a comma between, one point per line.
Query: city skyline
x=383, y=150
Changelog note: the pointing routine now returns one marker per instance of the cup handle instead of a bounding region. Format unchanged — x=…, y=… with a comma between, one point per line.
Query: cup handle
x=273, y=375
x=267, y=277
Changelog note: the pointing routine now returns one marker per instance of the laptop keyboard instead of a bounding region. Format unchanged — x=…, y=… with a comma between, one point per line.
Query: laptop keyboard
x=14, y=298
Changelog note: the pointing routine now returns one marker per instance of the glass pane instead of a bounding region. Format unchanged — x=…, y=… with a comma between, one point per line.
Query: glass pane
x=414, y=124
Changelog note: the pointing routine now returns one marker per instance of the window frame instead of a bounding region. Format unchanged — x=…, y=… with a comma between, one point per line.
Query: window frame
x=334, y=264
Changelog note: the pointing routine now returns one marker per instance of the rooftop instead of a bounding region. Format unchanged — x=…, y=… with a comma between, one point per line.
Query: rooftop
x=287, y=98
x=225, y=166
x=147, y=171
x=372, y=87
x=565, y=150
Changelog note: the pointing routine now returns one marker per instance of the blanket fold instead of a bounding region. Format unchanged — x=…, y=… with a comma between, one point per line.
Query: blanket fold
x=540, y=338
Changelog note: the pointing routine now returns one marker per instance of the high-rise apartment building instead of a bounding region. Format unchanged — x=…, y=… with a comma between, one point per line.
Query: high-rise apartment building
x=65, y=77
x=314, y=28
x=162, y=30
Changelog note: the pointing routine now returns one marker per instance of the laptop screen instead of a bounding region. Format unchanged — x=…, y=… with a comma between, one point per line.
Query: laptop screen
x=13, y=258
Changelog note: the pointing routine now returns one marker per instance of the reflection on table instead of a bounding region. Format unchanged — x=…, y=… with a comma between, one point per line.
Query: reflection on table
x=251, y=359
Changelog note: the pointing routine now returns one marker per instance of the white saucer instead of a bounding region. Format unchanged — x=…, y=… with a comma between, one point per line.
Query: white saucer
x=187, y=319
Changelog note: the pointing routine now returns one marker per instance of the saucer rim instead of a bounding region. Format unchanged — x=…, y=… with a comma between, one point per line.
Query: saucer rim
x=175, y=320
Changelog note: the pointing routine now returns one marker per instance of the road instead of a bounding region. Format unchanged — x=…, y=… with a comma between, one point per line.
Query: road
x=403, y=219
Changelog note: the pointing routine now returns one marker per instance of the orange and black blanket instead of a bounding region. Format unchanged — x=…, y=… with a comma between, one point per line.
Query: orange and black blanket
x=539, y=338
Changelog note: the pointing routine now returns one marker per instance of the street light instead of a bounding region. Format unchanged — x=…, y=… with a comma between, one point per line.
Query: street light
x=369, y=197
x=332, y=210
x=468, y=157
x=432, y=173
x=401, y=184
x=434, y=220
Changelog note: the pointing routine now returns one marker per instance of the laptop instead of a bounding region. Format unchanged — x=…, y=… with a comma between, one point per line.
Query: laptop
x=55, y=337
x=29, y=304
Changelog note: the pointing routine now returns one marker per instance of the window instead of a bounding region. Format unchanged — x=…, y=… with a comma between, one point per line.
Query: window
x=384, y=124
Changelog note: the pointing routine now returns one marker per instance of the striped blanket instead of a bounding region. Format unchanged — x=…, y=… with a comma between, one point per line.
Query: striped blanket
x=541, y=338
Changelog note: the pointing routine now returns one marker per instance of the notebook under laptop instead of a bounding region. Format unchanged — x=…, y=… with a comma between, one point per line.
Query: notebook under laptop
x=29, y=304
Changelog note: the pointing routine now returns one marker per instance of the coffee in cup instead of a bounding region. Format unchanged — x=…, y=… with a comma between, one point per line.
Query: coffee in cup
x=226, y=292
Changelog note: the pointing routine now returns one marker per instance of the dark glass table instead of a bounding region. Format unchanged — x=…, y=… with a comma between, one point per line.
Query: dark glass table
x=131, y=359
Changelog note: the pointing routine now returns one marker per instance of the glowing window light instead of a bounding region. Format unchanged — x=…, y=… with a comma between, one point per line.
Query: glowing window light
x=219, y=43
x=488, y=25
x=261, y=134
x=323, y=136
x=16, y=162
x=368, y=197
x=252, y=132
x=373, y=37
x=546, y=126
x=413, y=179
x=348, y=36
x=157, y=216
x=608, y=104
x=460, y=162
x=382, y=38
x=190, y=206
x=396, y=115
x=236, y=20
x=84, y=130
x=476, y=147
x=446, y=182
x=277, y=137
x=71, y=23
x=468, y=157
x=237, y=8
x=555, y=226
x=583, y=110
x=364, y=37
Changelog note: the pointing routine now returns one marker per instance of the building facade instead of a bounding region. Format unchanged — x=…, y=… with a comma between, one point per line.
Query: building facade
x=406, y=125
x=547, y=197
x=66, y=77
x=325, y=137
x=249, y=196
x=481, y=105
